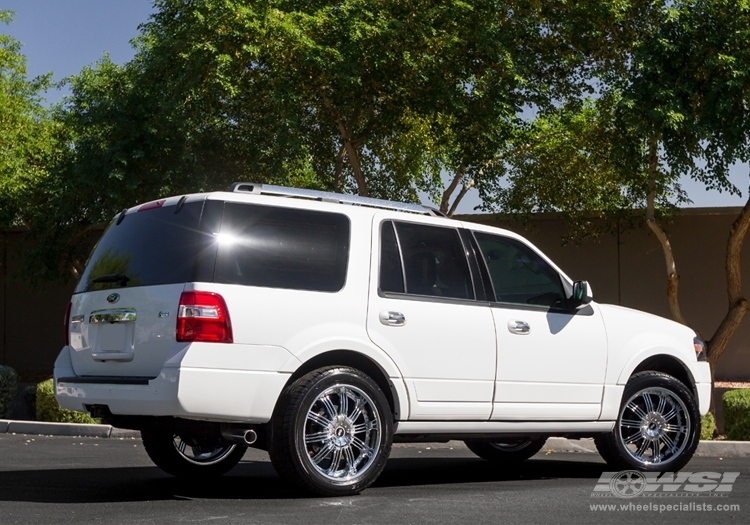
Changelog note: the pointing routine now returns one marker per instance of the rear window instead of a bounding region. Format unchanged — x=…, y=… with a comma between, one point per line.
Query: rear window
x=282, y=248
x=152, y=247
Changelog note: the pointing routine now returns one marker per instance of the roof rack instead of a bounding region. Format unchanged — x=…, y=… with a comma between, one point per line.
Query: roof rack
x=329, y=196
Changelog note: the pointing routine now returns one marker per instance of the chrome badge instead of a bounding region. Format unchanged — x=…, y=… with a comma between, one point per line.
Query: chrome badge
x=113, y=297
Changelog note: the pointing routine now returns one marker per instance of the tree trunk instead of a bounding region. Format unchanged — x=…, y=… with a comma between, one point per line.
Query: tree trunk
x=337, y=182
x=466, y=187
x=737, y=303
x=350, y=146
x=446, y=200
x=673, y=279
x=351, y=153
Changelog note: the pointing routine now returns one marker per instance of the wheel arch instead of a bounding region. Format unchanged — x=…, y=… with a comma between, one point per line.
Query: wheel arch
x=667, y=364
x=361, y=362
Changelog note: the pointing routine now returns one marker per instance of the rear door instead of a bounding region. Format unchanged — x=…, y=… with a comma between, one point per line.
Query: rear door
x=425, y=313
x=123, y=312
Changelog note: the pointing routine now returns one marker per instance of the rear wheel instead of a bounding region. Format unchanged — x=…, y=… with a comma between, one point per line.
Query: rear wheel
x=185, y=457
x=657, y=428
x=332, y=432
x=511, y=450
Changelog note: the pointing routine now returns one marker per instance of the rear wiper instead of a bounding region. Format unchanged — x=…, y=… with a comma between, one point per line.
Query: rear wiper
x=118, y=278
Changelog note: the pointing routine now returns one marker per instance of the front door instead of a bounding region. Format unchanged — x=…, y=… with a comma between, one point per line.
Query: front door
x=551, y=358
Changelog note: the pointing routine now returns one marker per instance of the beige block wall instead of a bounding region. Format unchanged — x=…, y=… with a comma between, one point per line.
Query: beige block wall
x=625, y=267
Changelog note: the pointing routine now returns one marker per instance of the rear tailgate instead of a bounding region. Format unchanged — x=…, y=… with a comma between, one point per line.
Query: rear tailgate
x=128, y=332
x=123, y=313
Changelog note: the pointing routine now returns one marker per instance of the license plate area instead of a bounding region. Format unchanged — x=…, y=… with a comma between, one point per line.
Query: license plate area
x=112, y=337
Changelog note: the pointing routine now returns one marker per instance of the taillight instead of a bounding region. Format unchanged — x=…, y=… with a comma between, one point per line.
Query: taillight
x=203, y=316
x=66, y=333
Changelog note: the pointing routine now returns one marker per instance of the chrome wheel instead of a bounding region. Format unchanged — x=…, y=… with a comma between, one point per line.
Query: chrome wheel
x=197, y=455
x=654, y=426
x=512, y=445
x=342, y=433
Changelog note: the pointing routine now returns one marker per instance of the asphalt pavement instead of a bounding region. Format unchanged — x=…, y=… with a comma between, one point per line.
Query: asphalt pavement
x=66, y=479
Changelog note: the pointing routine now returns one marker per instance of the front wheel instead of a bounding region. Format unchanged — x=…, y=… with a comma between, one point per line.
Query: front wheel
x=513, y=450
x=332, y=432
x=657, y=428
x=184, y=457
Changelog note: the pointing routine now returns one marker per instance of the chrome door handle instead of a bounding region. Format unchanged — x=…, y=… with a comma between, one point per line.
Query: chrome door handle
x=392, y=318
x=519, y=327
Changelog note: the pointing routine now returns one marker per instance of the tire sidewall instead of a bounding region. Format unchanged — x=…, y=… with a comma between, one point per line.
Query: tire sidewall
x=332, y=378
x=659, y=380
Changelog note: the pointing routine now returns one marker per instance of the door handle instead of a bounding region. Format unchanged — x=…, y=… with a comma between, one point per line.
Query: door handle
x=519, y=327
x=392, y=318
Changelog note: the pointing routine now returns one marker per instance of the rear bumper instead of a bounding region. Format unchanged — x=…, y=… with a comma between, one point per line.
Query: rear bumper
x=195, y=393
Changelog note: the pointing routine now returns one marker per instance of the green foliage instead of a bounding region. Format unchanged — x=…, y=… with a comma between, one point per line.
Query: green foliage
x=27, y=135
x=708, y=427
x=8, y=387
x=736, y=410
x=47, y=408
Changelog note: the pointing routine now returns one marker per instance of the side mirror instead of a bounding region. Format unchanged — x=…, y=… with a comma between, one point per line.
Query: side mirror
x=582, y=294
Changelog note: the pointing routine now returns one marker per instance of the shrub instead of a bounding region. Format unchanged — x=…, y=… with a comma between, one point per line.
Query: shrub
x=8, y=387
x=708, y=426
x=47, y=408
x=736, y=405
x=29, y=399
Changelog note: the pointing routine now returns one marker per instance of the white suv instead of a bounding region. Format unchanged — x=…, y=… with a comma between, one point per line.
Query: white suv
x=322, y=327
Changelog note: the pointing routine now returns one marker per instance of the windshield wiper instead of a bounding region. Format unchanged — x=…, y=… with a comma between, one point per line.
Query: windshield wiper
x=118, y=278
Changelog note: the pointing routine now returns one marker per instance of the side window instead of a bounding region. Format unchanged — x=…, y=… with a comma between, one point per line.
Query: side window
x=283, y=248
x=435, y=261
x=391, y=274
x=519, y=275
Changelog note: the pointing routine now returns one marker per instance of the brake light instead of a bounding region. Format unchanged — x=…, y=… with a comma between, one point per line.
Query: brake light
x=66, y=321
x=203, y=316
x=152, y=205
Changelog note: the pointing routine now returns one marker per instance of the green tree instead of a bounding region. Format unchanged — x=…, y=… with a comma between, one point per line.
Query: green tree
x=27, y=134
x=674, y=103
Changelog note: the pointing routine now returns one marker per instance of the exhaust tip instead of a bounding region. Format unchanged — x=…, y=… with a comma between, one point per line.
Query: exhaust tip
x=250, y=437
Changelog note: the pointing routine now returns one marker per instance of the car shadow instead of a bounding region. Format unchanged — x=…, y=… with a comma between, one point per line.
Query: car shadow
x=257, y=480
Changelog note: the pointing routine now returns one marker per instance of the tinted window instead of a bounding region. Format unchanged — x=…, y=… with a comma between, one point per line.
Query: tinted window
x=152, y=247
x=391, y=274
x=435, y=261
x=283, y=248
x=519, y=275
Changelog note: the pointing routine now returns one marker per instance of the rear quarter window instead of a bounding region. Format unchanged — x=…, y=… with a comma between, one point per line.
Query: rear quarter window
x=283, y=248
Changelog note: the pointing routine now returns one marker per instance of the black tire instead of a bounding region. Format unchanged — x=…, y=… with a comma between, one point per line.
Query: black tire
x=657, y=427
x=332, y=432
x=510, y=450
x=175, y=456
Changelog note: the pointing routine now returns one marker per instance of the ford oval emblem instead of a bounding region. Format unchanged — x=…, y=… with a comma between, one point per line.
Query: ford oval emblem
x=113, y=297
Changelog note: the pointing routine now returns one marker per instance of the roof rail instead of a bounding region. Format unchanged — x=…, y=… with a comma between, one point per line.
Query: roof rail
x=329, y=196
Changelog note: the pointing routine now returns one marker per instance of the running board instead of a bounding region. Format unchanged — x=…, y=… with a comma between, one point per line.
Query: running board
x=504, y=427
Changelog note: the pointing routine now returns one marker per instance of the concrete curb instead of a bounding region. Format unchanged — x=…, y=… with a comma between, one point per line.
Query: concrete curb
x=44, y=428
x=723, y=449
